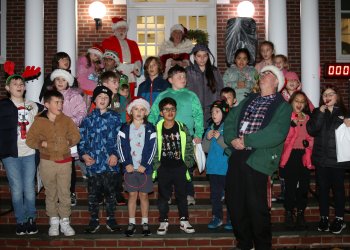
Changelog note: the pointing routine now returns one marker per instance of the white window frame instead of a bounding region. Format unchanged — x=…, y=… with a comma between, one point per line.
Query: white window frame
x=339, y=56
x=3, y=31
x=136, y=8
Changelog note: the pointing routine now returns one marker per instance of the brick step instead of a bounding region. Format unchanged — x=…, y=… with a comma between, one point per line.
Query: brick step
x=175, y=240
x=201, y=213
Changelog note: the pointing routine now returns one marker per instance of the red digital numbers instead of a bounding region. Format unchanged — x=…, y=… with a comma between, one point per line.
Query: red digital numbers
x=337, y=70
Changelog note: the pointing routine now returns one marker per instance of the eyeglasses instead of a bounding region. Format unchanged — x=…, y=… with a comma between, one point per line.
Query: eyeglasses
x=330, y=94
x=169, y=109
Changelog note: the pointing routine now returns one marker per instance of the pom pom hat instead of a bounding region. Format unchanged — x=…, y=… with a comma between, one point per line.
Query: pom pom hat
x=278, y=73
x=102, y=89
x=96, y=49
x=222, y=105
x=177, y=27
x=138, y=102
x=118, y=22
x=62, y=73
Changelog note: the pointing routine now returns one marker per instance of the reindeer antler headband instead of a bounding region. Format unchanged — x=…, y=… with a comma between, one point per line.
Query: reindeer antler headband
x=30, y=72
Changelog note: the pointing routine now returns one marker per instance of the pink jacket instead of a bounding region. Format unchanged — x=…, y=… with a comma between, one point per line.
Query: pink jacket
x=294, y=132
x=87, y=76
x=74, y=105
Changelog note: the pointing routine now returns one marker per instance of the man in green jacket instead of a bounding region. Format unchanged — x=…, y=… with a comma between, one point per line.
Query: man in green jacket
x=255, y=130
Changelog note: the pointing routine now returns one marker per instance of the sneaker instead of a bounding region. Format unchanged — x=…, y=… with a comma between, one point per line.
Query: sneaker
x=31, y=226
x=93, y=226
x=323, y=225
x=73, y=199
x=190, y=200
x=121, y=201
x=215, y=223
x=66, y=228
x=129, y=232
x=228, y=226
x=54, y=229
x=112, y=225
x=145, y=230
x=21, y=229
x=163, y=228
x=337, y=226
x=186, y=226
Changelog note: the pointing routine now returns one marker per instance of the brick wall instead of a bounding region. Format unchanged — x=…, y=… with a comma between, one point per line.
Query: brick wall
x=87, y=33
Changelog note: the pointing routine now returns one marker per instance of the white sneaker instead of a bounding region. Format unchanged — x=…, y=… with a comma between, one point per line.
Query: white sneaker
x=163, y=228
x=186, y=227
x=66, y=229
x=190, y=200
x=54, y=226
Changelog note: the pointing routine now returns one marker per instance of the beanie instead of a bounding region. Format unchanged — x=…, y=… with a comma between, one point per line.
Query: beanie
x=222, y=105
x=62, y=73
x=278, y=73
x=138, y=101
x=102, y=89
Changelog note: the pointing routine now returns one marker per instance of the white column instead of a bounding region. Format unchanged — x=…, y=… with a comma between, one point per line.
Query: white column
x=34, y=45
x=310, y=49
x=277, y=25
x=66, y=30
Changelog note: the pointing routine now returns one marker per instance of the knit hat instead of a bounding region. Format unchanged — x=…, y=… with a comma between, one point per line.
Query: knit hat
x=177, y=27
x=112, y=55
x=138, y=101
x=202, y=47
x=222, y=105
x=96, y=49
x=119, y=22
x=62, y=73
x=102, y=89
x=278, y=73
x=290, y=75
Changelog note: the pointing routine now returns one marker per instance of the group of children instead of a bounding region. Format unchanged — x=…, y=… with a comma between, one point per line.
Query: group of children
x=152, y=137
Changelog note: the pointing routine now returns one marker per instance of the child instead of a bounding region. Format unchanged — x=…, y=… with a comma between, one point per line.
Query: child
x=99, y=151
x=296, y=162
x=330, y=173
x=124, y=95
x=189, y=111
x=17, y=115
x=203, y=78
x=136, y=144
x=61, y=60
x=229, y=95
x=281, y=62
x=54, y=133
x=216, y=164
x=154, y=83
x=267, y=50
x=73, y=107
x=173, y=158
x=88, y=69
x=240, y=76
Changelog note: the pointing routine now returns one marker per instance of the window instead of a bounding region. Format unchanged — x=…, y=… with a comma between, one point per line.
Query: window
x=2, y=31
x=343, y=30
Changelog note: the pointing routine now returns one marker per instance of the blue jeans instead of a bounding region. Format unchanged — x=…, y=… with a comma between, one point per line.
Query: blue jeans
x=21, y=175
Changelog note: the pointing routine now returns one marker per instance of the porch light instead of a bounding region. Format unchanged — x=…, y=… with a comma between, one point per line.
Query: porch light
x=245, y=9
x=97, y=11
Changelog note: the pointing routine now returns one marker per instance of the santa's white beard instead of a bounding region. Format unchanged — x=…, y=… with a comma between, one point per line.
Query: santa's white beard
x=120, y=35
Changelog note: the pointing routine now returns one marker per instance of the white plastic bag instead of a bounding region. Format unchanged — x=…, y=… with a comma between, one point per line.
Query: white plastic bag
x=342, y=140
x=199, y=157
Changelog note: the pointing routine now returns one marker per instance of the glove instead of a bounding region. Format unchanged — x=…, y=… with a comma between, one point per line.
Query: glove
x=188, y=176
x=154, y=175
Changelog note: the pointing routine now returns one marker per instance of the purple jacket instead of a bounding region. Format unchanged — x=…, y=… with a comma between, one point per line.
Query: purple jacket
x=74, y=105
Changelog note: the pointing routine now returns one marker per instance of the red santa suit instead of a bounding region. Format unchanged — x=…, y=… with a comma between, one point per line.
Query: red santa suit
x=128, y=52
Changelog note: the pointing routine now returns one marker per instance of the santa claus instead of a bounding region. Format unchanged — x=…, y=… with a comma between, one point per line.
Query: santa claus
x=128, y=52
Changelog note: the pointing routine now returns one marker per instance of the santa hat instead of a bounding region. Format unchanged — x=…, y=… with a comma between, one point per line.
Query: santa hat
x=119, y=22
x=278, y=73
x=112, y=55
x=177, y=27
x=138, y=101
x=96, y=49
x=62, y=73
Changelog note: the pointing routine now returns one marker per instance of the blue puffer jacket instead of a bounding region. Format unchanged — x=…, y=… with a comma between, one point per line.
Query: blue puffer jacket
x=98, y=134
x=149, y=148
x=149, y=90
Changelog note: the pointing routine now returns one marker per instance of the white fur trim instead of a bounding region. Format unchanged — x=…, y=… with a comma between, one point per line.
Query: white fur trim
x=120, y=24
x=62, y=73
x=95, y=51
x=278, y=73
x=140, y=102
x=177, y=27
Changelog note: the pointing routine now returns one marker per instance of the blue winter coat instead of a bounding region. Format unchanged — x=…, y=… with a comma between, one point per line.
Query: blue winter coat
x=148, y=89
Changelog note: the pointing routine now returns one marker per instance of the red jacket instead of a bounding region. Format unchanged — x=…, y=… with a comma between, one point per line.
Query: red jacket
x=112, y=43
x=293, y=134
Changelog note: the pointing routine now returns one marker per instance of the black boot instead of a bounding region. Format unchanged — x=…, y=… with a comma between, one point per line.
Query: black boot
x=301, y=223
x=289, y=219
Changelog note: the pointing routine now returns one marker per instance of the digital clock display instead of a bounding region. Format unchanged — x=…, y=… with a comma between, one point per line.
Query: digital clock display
x=337, y=70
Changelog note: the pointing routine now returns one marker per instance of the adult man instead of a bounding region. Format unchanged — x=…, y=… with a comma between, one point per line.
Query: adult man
x=255, y=130
x=128, y=52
